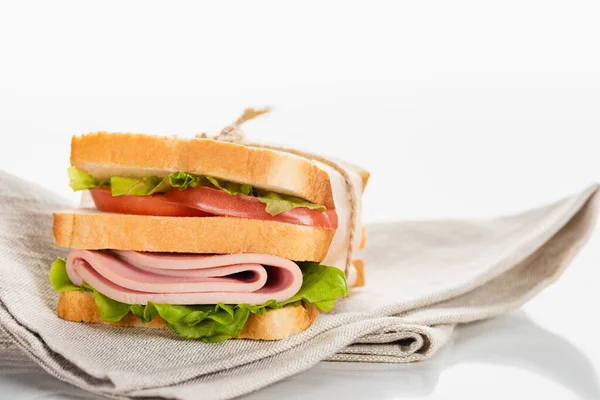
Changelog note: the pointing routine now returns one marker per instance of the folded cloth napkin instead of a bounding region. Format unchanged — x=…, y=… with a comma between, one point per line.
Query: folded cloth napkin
x=423, y=278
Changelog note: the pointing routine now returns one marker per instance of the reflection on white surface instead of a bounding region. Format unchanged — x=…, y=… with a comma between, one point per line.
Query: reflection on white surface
x=512, y=340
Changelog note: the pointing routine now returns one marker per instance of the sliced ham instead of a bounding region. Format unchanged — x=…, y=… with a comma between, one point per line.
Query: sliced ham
x=136, y=278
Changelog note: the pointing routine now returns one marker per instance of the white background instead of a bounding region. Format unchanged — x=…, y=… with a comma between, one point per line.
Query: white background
x=458, y=109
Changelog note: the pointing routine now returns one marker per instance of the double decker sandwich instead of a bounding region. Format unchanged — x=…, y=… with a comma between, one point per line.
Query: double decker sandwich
x=208, y=238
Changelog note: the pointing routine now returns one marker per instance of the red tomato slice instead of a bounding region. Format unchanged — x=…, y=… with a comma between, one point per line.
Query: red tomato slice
x=218, y=202
x=141, y=205
x=205, y=201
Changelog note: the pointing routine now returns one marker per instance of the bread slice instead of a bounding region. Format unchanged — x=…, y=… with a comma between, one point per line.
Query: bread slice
x=105, y=154
x=94, y=230
x=275, y=324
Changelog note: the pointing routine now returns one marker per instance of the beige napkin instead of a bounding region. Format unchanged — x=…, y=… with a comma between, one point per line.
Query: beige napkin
x=423, y=278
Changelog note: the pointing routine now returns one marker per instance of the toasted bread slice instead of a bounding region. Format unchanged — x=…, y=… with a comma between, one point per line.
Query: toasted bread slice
x=275, y=324
x=105, y=154
x=94, y=230
x=359, y=265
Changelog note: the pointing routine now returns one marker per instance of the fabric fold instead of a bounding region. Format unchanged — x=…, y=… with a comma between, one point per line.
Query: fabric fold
x=423, y=278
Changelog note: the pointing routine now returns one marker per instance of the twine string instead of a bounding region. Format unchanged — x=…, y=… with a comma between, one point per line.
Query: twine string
x=233, y=134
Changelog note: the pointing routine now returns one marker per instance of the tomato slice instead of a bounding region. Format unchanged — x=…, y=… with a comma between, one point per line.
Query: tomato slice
x=205, y=201
x=218, y=202
x=141, y=205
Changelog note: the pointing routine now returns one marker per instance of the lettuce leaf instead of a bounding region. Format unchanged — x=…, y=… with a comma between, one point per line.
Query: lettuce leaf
x=146, y=313
x=217, y=322
x=183, y=180
x=110, y=310
x=59, y=279
x=278, y=203
x=321, y=285
x=79, y=180
x=138, y=187
x=230, y=187
x=210, y=323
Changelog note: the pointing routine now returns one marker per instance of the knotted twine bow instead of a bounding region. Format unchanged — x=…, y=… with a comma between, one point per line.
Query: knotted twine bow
x=233, y=134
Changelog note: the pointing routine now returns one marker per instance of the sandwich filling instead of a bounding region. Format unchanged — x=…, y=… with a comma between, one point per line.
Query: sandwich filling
x=202, y=296
x=184, y=195
x=141, y=277
x=208, y=297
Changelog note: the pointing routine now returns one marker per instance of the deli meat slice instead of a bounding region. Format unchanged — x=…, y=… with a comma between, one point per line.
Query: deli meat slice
x=136, y=277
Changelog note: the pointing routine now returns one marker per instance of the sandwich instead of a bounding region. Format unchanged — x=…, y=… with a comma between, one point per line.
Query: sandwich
x=208, y=238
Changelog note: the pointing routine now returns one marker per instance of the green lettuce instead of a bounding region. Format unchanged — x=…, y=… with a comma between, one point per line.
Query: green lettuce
x=212, y=323
x=321, y=285
x=183, y=180
x=110, y=310
x=138, y=187
x=145, y=313
x=59, y=279
x=230, y=187
x=119, y=186
x=278, y=203
x=79, y=180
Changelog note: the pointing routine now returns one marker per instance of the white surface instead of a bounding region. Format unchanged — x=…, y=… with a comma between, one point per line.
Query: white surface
x=459, y=109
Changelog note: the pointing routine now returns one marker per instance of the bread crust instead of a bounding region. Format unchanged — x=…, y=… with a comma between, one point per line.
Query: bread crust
x=96, y=230
x=276, y=324
x=359, y=265
x=104, y=154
